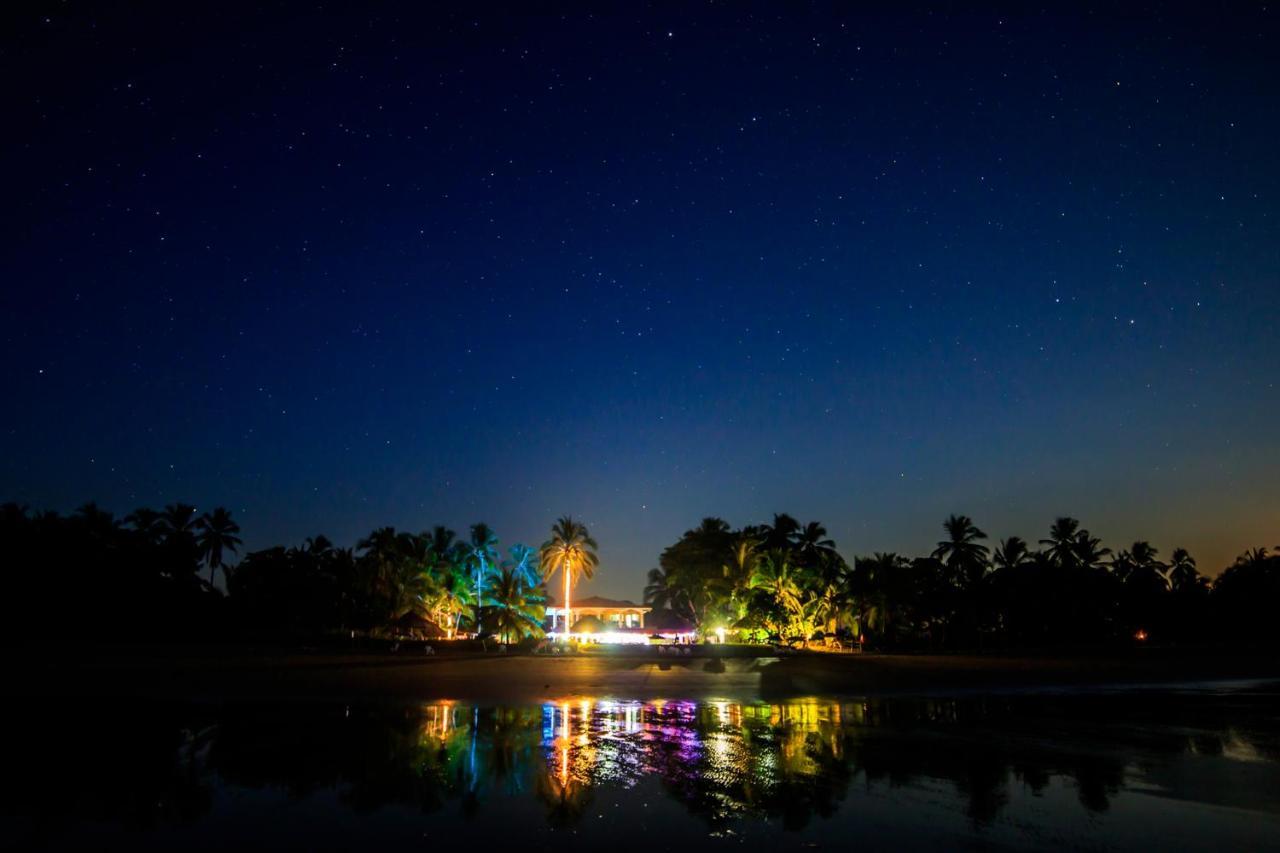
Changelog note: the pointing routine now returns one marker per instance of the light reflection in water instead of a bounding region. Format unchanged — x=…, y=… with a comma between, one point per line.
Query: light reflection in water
x=985, y=762
x=726, y=759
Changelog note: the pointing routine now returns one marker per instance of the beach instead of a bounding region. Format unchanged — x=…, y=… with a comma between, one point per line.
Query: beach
x=292, y=674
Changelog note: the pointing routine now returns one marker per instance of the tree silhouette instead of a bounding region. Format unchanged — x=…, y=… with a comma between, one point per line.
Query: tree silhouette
x=216, y=535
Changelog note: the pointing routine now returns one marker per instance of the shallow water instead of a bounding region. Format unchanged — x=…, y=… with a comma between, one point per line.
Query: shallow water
x=1121, y=770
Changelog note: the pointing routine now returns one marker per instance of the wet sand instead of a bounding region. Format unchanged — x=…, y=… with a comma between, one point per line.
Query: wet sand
x=523, y=678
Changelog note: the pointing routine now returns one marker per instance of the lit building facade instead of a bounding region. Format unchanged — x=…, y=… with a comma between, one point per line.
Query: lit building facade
x=612, y=612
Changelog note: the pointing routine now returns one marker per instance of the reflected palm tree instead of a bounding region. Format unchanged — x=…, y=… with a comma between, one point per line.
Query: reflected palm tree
x=564, y=791
x=786, y=762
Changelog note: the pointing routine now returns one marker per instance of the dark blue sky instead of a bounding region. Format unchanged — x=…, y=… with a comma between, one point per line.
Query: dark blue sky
x=336, y=269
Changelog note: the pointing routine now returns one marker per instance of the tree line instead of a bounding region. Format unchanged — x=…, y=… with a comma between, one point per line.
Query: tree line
x=89, y=575
x=152, y=575
x=787, y=582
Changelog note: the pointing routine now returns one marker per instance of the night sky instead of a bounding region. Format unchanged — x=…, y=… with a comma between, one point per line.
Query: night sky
x=336, y=269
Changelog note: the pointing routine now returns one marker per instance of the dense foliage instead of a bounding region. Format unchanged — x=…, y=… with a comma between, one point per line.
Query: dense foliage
x=392, y=582
x=87, y=577
x=786, y=580
x=93, y=577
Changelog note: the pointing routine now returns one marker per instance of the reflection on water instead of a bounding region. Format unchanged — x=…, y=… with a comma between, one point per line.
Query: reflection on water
x=1019, y=770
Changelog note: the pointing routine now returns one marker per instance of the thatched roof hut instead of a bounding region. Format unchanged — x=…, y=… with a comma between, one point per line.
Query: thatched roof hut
x=415, y=626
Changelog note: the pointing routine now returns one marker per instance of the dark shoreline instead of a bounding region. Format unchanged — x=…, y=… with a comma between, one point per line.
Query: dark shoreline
x=249, y=674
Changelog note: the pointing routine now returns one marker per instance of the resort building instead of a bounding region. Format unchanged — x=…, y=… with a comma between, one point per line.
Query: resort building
x=612, y=612
x=607, y=621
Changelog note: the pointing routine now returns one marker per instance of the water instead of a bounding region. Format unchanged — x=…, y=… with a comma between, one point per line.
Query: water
x=1124, y=770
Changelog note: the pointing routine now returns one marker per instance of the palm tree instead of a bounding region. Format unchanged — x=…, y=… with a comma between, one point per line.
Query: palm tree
x=1011, y=553
x=875, y=584
x=775, y=574
x=661, y=591
x=832, y=580
x=813, y=545
x=147, y=522
x=781, y=534
x=317, y=546
x=737, y=571
x=1088, y=551
x=571, y=551
x=452, y=597
x=525, y=561
x=1143, y=567
x=482, y=550
x=178, y=521
x=217, y=535
x=96, y=520
x=1182, y=571
x=963, y=555
x=382, y=553
x=1254, y=558
x=517, y=612
x=1062, y=542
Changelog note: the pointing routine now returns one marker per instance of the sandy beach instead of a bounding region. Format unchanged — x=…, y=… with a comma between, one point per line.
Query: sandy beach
x=523, y=678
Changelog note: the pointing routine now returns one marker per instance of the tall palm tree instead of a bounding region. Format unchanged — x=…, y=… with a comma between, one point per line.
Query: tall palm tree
x=381, y=552
x=1062, y=541
x=571, y=551
x=216, y=534
x=442, y=540
x=482, y=549
x=1182, y=571
x=961, y=552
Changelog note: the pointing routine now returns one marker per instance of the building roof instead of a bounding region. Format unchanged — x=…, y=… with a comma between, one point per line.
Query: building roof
x=595, y=601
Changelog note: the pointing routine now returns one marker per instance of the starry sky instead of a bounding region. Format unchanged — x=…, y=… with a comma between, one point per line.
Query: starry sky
x=336, y=268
